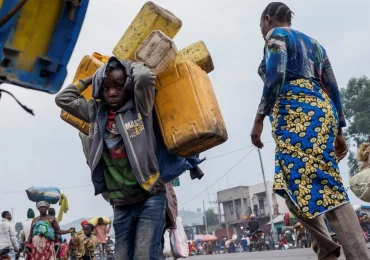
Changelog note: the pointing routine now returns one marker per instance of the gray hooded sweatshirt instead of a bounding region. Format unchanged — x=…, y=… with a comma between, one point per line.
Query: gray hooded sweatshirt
x=134, y=121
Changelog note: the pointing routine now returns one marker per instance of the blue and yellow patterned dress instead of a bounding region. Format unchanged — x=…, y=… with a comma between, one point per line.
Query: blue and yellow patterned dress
x=301, y=97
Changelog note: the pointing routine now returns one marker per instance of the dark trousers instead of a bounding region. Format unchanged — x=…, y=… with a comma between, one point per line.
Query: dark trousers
x=139, y=228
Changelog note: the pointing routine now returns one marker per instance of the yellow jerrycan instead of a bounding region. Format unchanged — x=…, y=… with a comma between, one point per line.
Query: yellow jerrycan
x=87, y=67
x=198, y=54
x=158, y=52
x=150, y=18
x=187, y=110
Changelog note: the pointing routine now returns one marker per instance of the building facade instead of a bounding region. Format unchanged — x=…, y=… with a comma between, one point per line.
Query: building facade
x=240, y=202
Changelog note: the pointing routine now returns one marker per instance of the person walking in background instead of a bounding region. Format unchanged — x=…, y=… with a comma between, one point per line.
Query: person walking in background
x=8, y=236
x=243, y=242
x=273, y=239
x=72, y=250
x=253, y=224
x=73, y=242
x=101, y=232
x=171, y=215
x=44, y=228
x=232, y=247
x=227, y=246
x=217, y=245
x=83, y=223
x=302, y=98
x=64, y=250
x=192, y=250
x=27, y=224
x=58, y=239
x=85, y=243
x=110, y=242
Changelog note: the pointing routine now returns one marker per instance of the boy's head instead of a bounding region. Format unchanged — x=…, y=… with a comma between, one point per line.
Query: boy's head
x=88, y=229
x=113, y=91
x=100, y=221
x=51, y=212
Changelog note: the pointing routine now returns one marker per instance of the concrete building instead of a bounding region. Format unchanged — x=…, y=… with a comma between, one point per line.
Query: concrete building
x=240, y=202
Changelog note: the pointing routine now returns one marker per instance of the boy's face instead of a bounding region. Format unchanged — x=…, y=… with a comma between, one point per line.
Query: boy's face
x=87, y=230
x=113, y=89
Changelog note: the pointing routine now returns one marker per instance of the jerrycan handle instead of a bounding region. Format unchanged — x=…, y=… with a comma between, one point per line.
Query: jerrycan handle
x=102, y=58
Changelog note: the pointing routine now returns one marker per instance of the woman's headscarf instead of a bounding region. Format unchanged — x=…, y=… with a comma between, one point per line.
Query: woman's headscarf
x=42, y=204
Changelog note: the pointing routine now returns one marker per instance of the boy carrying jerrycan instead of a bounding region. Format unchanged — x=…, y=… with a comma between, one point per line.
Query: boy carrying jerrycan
x=122, y=151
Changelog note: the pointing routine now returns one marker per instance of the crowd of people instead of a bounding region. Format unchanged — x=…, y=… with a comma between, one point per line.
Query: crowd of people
x=238, y=243
x=41, y=237
x=302, y=99
x=224, y=246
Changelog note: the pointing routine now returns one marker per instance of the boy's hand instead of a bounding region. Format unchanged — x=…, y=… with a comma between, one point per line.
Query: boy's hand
x=88, y=80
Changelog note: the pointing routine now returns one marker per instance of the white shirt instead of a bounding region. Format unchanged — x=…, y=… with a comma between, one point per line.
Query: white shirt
x=27, y=228
x=7, y=235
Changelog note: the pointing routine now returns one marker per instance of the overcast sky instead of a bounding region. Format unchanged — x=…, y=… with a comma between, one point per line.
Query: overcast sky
x=45, y=151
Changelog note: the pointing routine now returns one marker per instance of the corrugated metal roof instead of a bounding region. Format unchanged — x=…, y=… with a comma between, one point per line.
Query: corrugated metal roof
x=278, y=219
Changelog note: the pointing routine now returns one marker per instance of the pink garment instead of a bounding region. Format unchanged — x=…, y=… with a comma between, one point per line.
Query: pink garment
x=101, y=232
x=41, y=249
x=64, y=251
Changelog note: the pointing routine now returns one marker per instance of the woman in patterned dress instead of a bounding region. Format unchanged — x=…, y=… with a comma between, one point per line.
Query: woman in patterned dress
x=40, y=244
x=301, y=97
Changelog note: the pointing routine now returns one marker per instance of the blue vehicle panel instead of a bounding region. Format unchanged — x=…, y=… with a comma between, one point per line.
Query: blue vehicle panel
x=48, y=71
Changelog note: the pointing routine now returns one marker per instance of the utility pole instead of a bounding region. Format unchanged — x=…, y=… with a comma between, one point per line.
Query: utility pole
x=219, y=211
x=209, y=200
x=227, y=229
x=268, y=197
x=205, y=218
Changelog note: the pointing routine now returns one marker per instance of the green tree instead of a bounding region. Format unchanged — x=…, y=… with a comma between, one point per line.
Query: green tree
x=356, y=106
x=212, y=218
